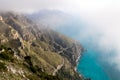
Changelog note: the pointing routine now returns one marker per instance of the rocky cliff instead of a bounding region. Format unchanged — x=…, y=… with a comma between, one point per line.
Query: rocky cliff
x=32, y=52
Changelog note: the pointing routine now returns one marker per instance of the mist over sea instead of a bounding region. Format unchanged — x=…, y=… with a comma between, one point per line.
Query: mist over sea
x=93, y=63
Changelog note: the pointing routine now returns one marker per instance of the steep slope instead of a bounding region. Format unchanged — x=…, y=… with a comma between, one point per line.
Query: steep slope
x=31, y=52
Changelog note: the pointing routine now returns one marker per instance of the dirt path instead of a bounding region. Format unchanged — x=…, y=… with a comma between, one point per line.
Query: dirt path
x=58, y=68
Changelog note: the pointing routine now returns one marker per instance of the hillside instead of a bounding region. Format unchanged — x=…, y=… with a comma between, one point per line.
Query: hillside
x=32, y=52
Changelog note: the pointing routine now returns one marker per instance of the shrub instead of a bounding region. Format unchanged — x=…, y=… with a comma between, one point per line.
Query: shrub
x=3, y=67
x=6, y=56
x=28, y=60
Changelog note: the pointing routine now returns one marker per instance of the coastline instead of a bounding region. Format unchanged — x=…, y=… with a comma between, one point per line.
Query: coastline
x=78, y=60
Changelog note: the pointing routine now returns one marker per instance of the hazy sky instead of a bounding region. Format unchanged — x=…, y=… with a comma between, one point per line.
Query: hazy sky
x=73, y=6
x=102, y=16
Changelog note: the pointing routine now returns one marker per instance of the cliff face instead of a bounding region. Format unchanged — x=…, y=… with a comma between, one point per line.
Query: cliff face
x=33, y=52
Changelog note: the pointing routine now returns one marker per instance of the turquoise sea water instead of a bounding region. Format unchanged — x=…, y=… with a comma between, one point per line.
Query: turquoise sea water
x=90, y=68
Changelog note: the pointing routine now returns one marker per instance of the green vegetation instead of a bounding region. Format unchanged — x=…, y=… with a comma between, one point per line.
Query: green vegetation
x=2, y=67
x=6, y=53
x=38, y=71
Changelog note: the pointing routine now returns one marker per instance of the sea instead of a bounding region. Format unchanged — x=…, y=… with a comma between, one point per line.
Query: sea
x=90, y=67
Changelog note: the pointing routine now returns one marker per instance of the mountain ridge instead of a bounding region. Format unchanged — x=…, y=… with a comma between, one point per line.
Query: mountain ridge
x=37, y=50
